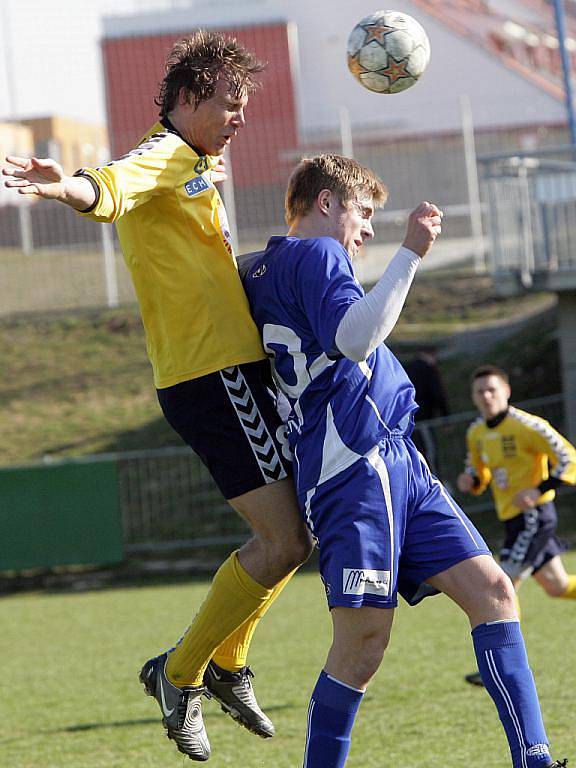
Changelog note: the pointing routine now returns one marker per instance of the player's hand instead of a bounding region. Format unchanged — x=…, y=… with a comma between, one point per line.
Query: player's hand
x=32, y=176
x=464, y=482
x=424, y=226
x=218, y=173
x=526, y=499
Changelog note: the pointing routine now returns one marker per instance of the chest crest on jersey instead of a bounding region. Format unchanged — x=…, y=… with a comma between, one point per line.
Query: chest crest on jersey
x=508, y=445
x=201, y=165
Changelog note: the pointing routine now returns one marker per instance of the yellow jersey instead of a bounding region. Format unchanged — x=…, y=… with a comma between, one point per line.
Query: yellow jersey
x=520, y=452
x=174, y=235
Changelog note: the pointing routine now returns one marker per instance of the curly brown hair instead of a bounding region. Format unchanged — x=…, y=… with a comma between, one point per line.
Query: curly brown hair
x=342, y=175
x=195, y=64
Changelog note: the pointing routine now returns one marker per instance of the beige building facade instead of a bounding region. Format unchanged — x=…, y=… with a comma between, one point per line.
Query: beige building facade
x=72, y=142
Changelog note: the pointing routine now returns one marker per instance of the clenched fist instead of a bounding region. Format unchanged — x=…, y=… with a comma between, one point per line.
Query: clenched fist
x=424, y=226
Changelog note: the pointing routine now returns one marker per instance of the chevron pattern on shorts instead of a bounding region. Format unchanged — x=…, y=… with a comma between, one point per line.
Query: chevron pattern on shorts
x=262, y=445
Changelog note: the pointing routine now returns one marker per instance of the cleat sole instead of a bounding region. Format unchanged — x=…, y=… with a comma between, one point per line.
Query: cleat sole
x=237, y=717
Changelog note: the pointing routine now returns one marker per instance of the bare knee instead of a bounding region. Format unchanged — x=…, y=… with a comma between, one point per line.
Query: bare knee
x=553, y=588
x=552, y=577
x=481, y=588
x=365, y=663
x=281, y=538
x=355, y=656
x=290, y=551
x=504, y=595
x=496, y=601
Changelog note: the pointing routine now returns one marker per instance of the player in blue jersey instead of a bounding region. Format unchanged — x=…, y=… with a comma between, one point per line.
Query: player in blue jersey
x=383, y=523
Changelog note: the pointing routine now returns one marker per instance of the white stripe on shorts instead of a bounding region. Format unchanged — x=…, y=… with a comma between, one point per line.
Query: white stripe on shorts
x=454, y=509
x=374, y=459
x=253, y=424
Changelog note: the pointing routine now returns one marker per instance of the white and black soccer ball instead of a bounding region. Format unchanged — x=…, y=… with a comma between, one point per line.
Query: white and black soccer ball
x=388, y=51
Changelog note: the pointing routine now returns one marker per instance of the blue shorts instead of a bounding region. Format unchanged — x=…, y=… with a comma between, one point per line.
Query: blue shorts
x=384, y=526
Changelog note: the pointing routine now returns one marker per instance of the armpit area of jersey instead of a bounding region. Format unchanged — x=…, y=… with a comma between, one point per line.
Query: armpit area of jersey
x=550, y=484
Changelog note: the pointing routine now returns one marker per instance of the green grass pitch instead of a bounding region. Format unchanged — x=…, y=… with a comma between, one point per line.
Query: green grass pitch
x=70, y=696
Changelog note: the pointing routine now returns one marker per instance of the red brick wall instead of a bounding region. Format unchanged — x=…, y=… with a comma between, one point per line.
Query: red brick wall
x=134, y=66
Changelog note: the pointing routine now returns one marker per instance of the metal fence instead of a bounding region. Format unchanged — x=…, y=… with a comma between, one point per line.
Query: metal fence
x=531, y=204
x=170, y=505
x=51, y=259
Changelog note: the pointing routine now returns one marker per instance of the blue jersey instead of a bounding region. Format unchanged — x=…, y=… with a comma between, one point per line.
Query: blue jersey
x=299, y=291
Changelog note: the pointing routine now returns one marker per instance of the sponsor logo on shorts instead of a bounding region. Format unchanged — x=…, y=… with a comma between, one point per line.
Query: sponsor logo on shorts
x=537, y=749
x=196, y=185
x=365, y=581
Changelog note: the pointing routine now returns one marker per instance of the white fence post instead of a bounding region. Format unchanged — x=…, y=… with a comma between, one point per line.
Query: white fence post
x=472, y=184
x=109, y=265
x=230, y=203
x=25, y=226
x=346, y=132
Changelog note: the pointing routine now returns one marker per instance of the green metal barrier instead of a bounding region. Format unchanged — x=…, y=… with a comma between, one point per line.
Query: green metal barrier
x=55, y=515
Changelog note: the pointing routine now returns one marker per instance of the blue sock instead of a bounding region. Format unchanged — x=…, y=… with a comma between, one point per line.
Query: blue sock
x=331, y=715
x=503, y=665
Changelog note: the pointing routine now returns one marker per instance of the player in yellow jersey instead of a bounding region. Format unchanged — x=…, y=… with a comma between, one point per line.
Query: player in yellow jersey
x=524, y=460
x=210, y=370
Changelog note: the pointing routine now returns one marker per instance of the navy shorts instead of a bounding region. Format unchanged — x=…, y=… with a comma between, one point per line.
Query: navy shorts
x=530, y=541
x=384, y=525
x=229, y=419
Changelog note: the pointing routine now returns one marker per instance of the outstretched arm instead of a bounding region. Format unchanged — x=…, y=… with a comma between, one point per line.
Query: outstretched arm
x=45, y=178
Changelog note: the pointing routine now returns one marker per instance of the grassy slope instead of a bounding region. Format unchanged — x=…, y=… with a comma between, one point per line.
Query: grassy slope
x=75, y=702
x=76, y=384
x=80, y=383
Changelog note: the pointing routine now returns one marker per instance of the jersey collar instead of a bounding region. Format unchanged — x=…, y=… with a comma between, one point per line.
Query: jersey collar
x=492, y=423
x=170, y=128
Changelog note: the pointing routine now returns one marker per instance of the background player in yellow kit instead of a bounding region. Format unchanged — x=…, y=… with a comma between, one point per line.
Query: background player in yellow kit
x=210, y=369
x=523, y=460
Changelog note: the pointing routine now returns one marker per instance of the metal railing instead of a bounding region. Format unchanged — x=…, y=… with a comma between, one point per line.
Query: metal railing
x=170, y=505
x=531, y=203
x=52, y=259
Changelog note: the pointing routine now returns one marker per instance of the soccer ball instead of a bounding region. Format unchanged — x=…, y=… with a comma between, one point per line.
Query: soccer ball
x=388, y=51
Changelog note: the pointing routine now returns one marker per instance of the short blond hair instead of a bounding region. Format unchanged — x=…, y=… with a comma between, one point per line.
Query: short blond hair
x=341, y=175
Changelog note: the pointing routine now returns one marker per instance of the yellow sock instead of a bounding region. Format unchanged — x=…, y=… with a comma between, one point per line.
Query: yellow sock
x=233, y=652
x=233, y=596
x=570, y=593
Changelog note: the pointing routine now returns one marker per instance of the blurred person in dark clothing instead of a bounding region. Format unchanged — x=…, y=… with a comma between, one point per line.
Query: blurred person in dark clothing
x=425, y=375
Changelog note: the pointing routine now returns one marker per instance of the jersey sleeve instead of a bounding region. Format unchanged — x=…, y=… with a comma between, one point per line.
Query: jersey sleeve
x=159, y=163
x=561, y=454
x=474, y=466
x=326, y=287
